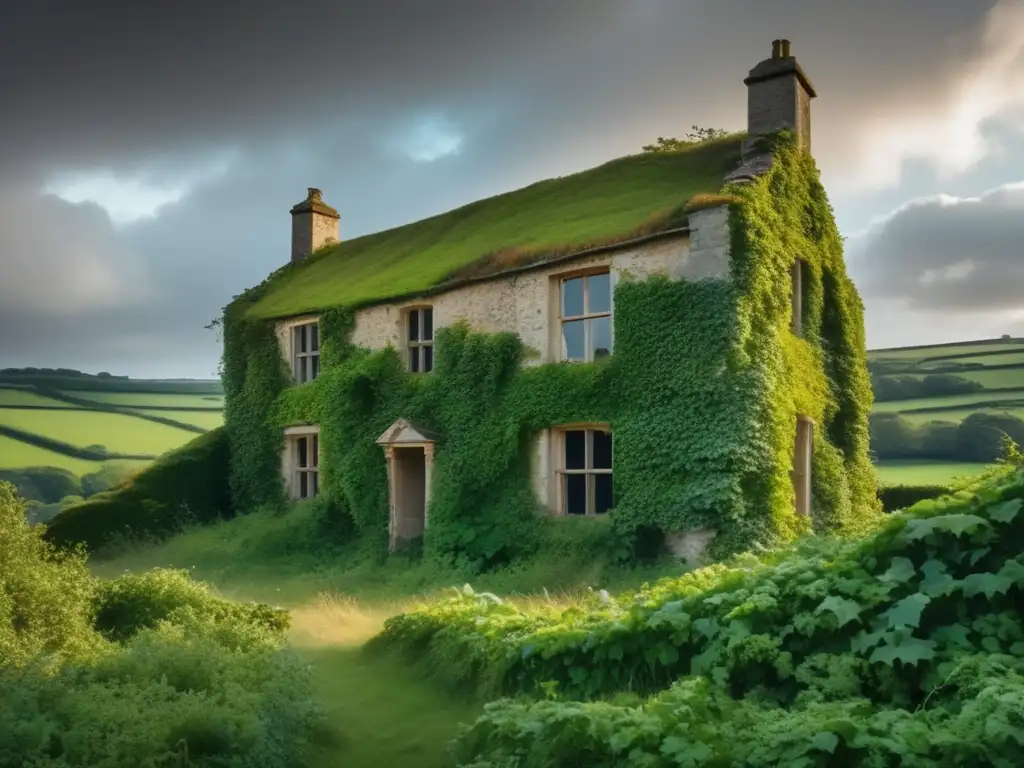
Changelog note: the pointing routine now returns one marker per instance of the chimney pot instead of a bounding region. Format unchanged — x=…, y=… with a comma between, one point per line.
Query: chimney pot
x=785, y=49
x=313, y=193
x=776, y=48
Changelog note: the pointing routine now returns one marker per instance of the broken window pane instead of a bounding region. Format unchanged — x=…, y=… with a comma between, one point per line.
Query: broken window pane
x=602, y=493
x=599, y=293
x=428, y=324
x=576, y=449
x=428, y=359
x=572, y=297
x=572, y=340
x=575, y=494
x=600, y=336
x=602, y=450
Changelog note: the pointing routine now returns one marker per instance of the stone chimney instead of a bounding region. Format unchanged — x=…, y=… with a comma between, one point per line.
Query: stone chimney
x=779, y=96
x=314, y=224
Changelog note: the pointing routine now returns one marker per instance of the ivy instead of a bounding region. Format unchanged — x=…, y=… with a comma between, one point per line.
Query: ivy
x=702, y=395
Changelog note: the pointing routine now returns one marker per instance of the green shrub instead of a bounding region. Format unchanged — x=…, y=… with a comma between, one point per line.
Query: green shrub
x=184, y=486
x=901, y=496
x=131, y=603
x=45, y=484
x=45, y=594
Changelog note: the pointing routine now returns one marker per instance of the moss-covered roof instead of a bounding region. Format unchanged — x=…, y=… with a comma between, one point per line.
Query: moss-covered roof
x=618, y=201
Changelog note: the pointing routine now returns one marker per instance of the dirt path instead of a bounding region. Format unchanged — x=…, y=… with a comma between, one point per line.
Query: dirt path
x=380, y=713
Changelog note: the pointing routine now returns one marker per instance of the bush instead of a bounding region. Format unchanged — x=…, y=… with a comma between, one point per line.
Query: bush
x=186, y=485
x=186, y=678
x=44, y=484
x=904, y=648
x=901, y=496
x=908, y=386
x=130, y=603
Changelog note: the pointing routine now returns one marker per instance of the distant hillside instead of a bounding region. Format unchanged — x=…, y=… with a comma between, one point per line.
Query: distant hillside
x=942, y=410
x=57, y=423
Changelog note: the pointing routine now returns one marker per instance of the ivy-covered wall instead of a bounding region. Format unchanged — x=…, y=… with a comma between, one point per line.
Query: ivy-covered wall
x=702, y=394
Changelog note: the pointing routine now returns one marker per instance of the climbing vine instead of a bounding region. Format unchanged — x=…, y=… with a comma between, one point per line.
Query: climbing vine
x=702, y=395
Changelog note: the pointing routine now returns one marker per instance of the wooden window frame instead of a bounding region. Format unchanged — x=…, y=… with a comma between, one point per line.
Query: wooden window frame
x=414, y=348
x=312, y=468
x=797, y=274
x=561, y=473
x=803, y=464
x=562, y=279
x=305, y=365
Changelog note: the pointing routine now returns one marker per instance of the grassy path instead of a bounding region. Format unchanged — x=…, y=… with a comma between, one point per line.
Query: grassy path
x=380, y=713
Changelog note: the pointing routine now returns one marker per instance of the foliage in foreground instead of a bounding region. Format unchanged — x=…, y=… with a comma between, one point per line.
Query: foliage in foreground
x=145, y=671
x=906, y=648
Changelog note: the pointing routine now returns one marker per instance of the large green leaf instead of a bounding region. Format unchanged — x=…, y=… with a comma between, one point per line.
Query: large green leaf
x=907, y=612
x=845, y=610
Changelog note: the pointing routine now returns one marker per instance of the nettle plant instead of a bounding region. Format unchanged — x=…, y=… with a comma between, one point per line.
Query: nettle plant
x=702, y=395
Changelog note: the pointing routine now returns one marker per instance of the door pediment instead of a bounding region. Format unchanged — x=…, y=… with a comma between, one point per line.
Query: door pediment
x=403, y=432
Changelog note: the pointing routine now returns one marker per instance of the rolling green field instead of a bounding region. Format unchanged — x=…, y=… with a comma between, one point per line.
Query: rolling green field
x=119, y=433
x=1002, y=393
x=19, y=397
x=29, y=403
x=149, y=400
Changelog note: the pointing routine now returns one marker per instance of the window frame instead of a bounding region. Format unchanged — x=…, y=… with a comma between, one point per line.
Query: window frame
x=295, y=438
x=305, y=365
x=561, y=473
x=797, y=279
x=415, y=348
x=587, y=316
x=803, y=464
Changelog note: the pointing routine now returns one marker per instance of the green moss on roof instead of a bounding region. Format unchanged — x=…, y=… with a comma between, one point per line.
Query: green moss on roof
x=614, y=202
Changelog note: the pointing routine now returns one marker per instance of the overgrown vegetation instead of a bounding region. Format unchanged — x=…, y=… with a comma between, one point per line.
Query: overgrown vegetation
x=184, y=486
x=743, y=365
x=145, y=671
x=695, y=135
x=977, y=438
x=906, y=648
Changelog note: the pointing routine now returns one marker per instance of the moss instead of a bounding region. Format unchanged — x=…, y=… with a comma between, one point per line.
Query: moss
x=611, y=203
x=702, y=395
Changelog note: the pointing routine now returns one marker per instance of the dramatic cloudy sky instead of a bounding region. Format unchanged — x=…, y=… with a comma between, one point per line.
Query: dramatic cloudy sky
x=149, y=151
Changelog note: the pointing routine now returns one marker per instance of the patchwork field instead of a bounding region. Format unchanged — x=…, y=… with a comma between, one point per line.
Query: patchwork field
x=51, y=419
x=984, y=377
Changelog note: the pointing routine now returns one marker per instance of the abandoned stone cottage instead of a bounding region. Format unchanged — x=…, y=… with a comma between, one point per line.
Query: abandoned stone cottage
x=691, y=357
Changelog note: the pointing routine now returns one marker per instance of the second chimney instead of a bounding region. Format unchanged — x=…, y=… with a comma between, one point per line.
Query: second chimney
x=314, y=225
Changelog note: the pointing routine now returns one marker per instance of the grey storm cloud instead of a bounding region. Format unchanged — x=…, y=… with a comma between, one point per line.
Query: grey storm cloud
x=947, y=253
x=355, y=98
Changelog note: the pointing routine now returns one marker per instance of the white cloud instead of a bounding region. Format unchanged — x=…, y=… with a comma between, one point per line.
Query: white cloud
x=950, y=134
x=429, y=139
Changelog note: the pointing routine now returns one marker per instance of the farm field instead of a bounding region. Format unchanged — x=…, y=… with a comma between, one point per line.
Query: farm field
x=915, y=354
x=204, y=419
x=151, y=399
x=119, y=433
x=914, y=472
x=19, y=397
x=959, y=414
x=15, y=454
x=949, y=401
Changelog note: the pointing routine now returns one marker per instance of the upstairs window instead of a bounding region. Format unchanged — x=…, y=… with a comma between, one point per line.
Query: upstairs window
x=585, y=314
x=798, y=275
x=420, y=339
x=802, y=453
x=305, y=352
x=306, y=468
x=585, y=471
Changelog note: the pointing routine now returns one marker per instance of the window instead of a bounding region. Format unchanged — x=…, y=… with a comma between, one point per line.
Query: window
x=306, y=352
x=803, y=450
x=585, y=312
x=306, y=466
x=585, y=471
x=420, y=339
x=797, y=275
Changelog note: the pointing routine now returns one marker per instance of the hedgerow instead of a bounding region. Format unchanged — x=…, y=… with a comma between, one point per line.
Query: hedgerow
x=144, y=671
x=702, y=395
x=183, y=486
x=906, y=648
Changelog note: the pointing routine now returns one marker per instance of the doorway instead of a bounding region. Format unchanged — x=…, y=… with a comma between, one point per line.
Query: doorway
x=410, y=489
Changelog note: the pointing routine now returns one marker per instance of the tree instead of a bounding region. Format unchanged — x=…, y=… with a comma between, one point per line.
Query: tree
x=695, y=136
